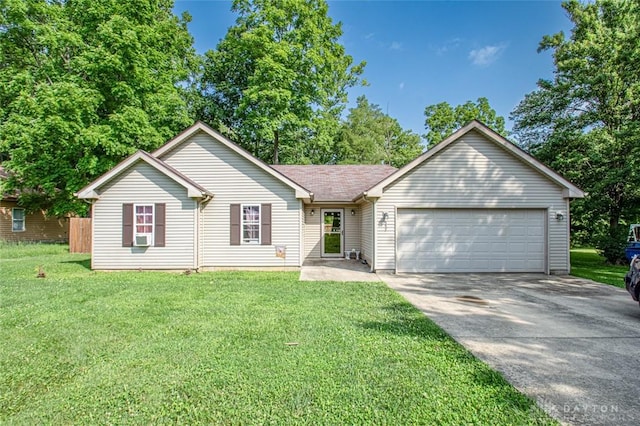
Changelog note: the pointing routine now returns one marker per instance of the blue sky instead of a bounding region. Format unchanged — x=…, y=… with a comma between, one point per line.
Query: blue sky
x=423, y=52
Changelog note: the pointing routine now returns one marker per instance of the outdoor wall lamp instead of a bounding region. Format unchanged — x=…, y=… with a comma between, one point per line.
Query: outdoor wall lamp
x=559, y=216
x=313, y=212
x=353, y=212
x=385, y=216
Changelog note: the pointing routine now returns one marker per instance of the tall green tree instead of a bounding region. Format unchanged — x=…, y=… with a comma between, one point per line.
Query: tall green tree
x=441, y=120
x=278, y=79
x=369, y=136
x=84, y=83
x=585, y=122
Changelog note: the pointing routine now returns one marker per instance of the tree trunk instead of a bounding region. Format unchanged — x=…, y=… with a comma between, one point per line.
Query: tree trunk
x=616, y=195
x=276, y=143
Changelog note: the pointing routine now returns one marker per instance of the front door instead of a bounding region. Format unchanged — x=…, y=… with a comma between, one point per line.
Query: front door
x=332, y=241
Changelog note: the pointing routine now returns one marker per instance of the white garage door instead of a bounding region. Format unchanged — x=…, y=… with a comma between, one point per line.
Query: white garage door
x=470, y=240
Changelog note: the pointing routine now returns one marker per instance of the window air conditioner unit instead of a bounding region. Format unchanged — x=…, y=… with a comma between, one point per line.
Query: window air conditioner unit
x=143, y=240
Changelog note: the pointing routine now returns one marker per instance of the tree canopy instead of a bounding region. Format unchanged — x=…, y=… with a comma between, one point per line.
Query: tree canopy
x=83, y=84
x=277, y=82
x=441, y=120
x=369, y=136
x=585, y=122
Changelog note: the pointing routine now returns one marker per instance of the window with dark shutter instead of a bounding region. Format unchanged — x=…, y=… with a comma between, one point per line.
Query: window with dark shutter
x=235, y=224
x=265, y=224
x=160, y=220
x=127, y=225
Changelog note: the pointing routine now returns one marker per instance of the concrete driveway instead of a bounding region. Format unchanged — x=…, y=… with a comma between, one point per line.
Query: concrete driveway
x=571, y=344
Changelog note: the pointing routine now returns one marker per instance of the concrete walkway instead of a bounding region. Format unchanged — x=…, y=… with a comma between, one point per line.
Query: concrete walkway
x=571, y=344
x=336, y=270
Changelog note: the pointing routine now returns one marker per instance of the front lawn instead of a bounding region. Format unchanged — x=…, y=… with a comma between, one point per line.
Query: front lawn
x=587, y=263
x=228, y=348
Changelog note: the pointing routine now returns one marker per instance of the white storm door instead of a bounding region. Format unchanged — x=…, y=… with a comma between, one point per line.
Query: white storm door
x=332, y=232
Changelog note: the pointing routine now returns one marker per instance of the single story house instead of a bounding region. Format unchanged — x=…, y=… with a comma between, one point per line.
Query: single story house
x=474, y=203
x=18, y=225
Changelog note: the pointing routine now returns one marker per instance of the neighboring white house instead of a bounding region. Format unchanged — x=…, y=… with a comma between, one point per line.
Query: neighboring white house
x=474, y=203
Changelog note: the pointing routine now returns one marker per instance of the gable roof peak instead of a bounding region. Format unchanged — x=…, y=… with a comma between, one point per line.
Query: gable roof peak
x=200, y=126
x=492, y=136
x=194, y=189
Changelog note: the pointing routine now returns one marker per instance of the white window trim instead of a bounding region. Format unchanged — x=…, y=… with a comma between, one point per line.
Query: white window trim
x=24, y=219
x=242, y=223
x=153, y=223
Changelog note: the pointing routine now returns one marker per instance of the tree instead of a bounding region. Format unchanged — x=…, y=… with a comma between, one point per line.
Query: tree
x=442, y=119
x=369, y=136
x=83, y=84
x=585, y=122
x=278, y=79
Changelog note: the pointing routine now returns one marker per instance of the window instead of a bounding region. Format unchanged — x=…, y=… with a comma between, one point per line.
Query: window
x=251, y=224
x=143, y=224
x=17, y=216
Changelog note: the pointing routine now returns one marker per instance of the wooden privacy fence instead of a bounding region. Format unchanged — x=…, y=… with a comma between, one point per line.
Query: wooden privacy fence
x=80, y=235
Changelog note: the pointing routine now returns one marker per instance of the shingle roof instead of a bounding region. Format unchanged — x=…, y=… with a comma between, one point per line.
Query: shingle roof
x=336, y=182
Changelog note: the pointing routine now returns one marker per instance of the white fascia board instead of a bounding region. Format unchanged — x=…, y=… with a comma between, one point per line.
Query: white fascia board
x=572, y=193
x=88, y=194
x=303, y=194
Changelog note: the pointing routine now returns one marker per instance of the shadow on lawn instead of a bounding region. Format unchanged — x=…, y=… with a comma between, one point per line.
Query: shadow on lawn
x=85, y=263
x=406, y=321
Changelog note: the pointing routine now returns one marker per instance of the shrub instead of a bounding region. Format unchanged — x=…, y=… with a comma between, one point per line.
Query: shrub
x=611, y=245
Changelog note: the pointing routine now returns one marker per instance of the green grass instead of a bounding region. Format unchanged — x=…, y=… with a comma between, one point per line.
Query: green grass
x=85, y=347
x=587, y=263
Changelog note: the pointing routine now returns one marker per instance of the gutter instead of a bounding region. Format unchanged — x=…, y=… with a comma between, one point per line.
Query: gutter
x=199, y=246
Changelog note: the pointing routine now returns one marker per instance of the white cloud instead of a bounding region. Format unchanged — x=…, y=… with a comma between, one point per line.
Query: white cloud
x=395, y=45
x=487, y=54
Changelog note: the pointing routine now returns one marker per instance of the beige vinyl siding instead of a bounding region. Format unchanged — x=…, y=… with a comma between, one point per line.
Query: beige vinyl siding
x=313, y=229
x=235, y=180
x=473, y=173
x=38, y=227
x=366, y=227
x=312, y=246
x=142, y=184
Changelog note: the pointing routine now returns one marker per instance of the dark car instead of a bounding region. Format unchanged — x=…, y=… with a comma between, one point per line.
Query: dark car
x=632, y=279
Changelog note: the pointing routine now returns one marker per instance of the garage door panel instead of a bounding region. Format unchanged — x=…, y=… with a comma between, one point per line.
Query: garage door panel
x=518, y=231
x=517, y=246
x=468, y=240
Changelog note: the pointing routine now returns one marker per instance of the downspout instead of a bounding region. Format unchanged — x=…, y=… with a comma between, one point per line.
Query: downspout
x=568, y=231
x=373, y=231
x=200, y=231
